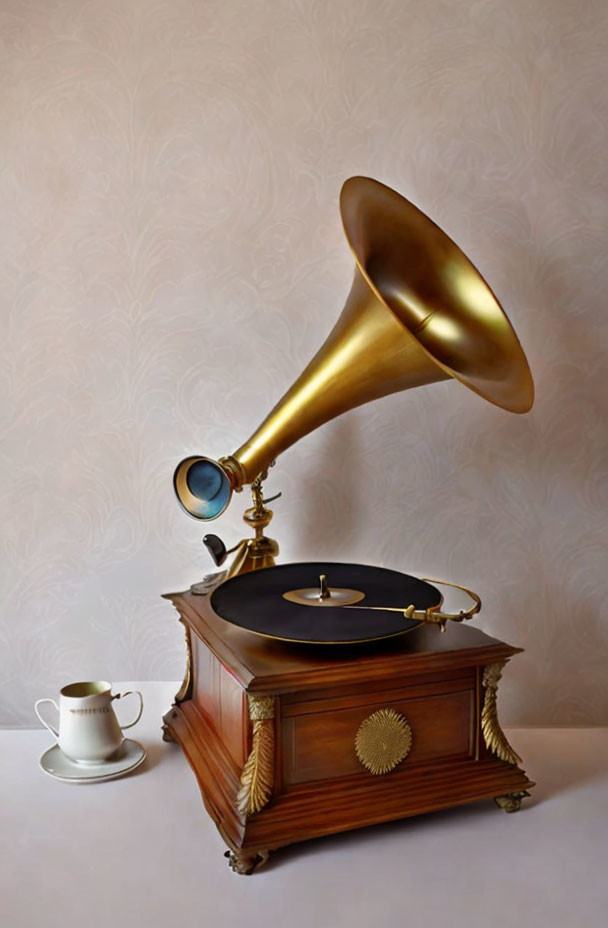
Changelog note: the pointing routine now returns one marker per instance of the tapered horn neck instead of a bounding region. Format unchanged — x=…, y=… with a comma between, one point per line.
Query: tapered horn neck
x=368, y=354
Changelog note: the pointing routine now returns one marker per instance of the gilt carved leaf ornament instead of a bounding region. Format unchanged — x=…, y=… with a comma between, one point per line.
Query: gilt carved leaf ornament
x=494, y=736
x=257, y=778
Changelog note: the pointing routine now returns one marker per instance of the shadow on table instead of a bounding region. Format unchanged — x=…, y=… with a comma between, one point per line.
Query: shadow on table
x=155, y=752
x=561, y=759
x=406, y=829
x=558, y=760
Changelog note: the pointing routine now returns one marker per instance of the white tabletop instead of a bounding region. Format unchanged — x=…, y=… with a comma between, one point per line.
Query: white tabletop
x=141, y=851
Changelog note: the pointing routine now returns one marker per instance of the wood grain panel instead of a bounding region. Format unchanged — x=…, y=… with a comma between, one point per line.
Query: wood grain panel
x=204, y=676
x=322, y=745
x=350, y=696
x=220, y=697
x=233, y=718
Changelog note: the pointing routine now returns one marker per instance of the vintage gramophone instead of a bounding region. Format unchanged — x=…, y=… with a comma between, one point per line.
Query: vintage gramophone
x=318, y=697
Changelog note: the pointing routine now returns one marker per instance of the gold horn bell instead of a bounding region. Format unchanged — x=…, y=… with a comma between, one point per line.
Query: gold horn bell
x=418, y=312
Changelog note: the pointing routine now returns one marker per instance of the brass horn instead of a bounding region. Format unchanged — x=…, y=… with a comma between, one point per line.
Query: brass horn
x=418, y=312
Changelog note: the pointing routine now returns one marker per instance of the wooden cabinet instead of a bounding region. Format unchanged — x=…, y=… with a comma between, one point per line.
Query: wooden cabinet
x=270, y=730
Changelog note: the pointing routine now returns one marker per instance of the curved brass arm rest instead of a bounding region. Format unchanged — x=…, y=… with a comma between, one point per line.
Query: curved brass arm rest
x=436, y=617
x=433, y=615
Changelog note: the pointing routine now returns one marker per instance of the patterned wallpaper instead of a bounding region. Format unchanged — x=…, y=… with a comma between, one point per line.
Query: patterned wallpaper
x=172, y=255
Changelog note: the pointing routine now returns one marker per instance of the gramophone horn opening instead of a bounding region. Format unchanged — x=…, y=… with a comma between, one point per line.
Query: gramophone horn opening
x=202, y=487
x=437, y=294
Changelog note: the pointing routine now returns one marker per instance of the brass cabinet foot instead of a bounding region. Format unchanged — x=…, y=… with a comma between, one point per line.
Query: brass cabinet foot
x=245, y=862
x=511, y=802
x=166, y=731
x=167, y=736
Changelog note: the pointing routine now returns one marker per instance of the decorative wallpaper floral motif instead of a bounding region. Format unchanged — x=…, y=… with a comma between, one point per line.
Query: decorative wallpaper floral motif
x=172, y=255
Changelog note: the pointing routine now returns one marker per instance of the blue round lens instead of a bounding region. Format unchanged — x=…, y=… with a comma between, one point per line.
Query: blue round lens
x=209, y=484
x=204, y=479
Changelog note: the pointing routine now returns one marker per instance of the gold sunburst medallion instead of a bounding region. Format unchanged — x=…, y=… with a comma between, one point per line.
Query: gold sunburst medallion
x=383, y=740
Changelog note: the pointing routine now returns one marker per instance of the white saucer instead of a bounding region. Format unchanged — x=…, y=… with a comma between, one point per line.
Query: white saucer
x=54, y=762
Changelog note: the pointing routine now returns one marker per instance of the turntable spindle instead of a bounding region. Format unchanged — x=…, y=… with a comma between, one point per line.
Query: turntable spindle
x=324, y=595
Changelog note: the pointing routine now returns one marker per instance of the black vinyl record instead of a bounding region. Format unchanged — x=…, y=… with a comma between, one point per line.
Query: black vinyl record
x=255, y=601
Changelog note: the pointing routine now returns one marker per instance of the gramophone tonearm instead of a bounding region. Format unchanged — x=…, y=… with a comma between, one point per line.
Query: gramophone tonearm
x=324, y=595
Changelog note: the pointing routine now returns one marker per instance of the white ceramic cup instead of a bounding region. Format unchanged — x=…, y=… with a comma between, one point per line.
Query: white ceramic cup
x=88, y=731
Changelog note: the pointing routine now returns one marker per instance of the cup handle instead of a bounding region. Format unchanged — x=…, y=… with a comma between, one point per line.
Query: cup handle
x=46, y=724
x=141, y=706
